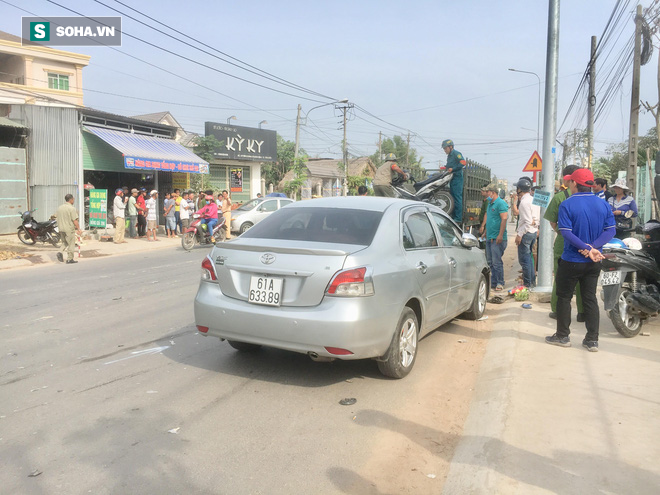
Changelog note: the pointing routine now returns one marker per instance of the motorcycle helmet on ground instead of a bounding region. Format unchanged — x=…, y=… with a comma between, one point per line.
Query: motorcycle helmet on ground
x=391, y=157
x=524, y=184
x=447, y=142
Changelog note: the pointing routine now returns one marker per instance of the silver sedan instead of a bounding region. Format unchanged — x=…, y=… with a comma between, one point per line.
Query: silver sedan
x=343, y=278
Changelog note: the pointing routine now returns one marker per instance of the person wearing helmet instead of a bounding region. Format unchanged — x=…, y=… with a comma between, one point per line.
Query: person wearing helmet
x=384, y=176
x=455, y=163
x=209, y=213
x=529, y=216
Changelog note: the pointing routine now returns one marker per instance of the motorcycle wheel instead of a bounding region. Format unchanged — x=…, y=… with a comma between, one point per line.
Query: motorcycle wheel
x=444, y=200
x=54, y=239
x=626, y=324
x=24, y=237
x=219, y=235
x=188, y=241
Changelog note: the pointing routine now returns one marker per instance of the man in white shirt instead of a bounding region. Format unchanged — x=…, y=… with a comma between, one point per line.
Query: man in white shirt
x=184, y=211
x=119, y=209
x=528, y=226
x=152, y=218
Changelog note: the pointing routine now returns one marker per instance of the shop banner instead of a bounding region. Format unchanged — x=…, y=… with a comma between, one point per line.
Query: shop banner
x=98, y=208
x=180, y=181
x=236, y=181
x=243, y=143
x=134, y=162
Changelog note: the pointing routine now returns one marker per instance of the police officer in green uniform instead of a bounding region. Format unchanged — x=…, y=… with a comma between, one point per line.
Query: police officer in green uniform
x=455, y=164
x=384, y=176
x=552, y=215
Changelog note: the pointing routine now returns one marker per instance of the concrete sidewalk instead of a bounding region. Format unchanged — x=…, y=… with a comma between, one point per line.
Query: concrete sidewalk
x=40, y=254
x=547, y=419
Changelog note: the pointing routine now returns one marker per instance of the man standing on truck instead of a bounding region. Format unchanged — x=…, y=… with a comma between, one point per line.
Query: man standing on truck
x=384, y=176
x=455, y=164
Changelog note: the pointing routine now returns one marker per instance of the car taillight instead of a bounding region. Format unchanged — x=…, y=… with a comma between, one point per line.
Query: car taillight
x=208, y=272
x=351, y=283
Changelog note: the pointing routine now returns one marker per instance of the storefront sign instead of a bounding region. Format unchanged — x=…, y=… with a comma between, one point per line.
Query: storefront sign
x=180, y=181
x=98, y=208
x=236, y=181
x=134, y=162
x=243, y=143
x=541, y=198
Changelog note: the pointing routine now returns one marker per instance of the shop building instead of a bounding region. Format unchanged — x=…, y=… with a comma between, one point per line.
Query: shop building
x=236, y=164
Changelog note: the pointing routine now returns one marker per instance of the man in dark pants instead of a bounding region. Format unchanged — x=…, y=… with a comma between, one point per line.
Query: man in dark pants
x=586, y=224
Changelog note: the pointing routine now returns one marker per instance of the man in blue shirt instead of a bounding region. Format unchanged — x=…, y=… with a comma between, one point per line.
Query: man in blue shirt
x=455, y=164
x=496, y=215
x=586, y=224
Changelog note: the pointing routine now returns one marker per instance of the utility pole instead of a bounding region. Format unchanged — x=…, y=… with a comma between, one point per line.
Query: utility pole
x=546, y=236
x=344, y=109
x=634, y=105
x=407, y=149
x=380, y=143
x=591, y=104
x=295, y=153
x=574, y=146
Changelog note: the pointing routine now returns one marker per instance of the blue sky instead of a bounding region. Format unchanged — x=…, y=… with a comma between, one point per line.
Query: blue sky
x=437, y=68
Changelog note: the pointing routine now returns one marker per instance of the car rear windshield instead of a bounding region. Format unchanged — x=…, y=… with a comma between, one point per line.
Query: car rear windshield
x=331, y=225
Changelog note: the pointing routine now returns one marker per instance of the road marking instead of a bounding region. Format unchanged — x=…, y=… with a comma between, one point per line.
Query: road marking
x=145, y=352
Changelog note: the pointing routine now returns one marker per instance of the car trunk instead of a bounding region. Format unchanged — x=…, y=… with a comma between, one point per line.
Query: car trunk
x=305, y=270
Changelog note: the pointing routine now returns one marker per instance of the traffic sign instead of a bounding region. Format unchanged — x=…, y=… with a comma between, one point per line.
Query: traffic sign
x=534, y=164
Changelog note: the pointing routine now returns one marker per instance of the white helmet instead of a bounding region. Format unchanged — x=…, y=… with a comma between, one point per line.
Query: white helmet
x=632, y=243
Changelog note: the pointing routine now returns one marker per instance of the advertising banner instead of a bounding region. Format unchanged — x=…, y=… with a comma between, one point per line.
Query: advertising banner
x=180, y=181
x=98, y=208
x=243, y=143
x=236, y=180
x=134, y=162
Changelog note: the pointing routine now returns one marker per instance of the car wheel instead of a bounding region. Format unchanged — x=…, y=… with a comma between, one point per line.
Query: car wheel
x=478, y=306
x=243, y=346
x=245, y=227
x=401, y=355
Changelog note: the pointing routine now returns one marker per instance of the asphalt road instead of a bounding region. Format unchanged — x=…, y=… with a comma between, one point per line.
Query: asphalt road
x=106, y=387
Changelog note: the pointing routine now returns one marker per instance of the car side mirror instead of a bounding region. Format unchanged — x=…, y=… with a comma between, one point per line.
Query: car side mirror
x=469, y=241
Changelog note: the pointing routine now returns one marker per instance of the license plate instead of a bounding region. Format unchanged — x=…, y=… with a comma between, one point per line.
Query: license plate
x=265, y=290
x=610, y=278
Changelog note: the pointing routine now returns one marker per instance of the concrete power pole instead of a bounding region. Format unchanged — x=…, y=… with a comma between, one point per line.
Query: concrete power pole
x=345, y=155
x=295, y=153
x=407, y=149
x=634, y=105
x=546, y=237
x=380, y=144
x=591, y=104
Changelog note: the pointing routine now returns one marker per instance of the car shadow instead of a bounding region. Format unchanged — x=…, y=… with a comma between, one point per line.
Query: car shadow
x=265, y=364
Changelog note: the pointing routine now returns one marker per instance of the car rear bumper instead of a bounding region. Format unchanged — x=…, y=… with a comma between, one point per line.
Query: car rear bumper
x=356, y=324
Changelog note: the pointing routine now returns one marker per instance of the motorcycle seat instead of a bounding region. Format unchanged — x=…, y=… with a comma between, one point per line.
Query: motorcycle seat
x=434, y=177
x=45, y=224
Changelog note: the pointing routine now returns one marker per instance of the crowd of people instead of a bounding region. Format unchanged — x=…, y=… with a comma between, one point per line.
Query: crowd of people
x=138, y=212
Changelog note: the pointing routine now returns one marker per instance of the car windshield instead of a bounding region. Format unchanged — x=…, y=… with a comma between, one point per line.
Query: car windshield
x=330, y=225
x=249, y=205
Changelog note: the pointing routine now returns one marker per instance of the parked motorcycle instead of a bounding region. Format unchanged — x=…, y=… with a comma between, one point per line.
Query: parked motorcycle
x=630, y=279
x=198, y=233
x=434, y=190
x=32, y=231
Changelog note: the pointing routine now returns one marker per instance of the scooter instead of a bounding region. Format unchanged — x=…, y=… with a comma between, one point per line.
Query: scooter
x=198, y=233
x=630, y=279
x=31, y=231
x=434, y=190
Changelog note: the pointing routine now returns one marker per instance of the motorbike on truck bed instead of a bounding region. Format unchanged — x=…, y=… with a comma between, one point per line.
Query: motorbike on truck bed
x=631, y=281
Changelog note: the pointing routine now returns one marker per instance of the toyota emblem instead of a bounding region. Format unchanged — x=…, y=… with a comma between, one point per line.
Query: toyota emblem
x=267, y=258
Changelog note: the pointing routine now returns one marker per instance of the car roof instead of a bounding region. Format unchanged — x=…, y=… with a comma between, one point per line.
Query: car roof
x=373, y=203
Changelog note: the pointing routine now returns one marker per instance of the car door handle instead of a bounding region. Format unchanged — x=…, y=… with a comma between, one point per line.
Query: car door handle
x=422, y=267
x=452, y=262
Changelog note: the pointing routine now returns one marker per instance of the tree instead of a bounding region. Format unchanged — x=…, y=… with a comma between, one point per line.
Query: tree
x=203, y=148
x=404, y=153
x=273, y=173
x=617, y=156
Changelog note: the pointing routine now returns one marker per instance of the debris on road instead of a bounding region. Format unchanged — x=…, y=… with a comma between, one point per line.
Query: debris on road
x=645, y=334
x=348, y=401
x=432, y=476
x=35, y=473
x=527, y=306
x=117, y=298
x=462, y=341
x=483, y=318
x=174, y=430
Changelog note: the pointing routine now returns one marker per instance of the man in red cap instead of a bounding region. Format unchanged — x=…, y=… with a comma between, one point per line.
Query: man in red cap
x=586, y=224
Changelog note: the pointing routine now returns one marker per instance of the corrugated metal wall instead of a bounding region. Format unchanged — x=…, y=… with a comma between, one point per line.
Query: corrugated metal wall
x=53, y=156
x=13, y=190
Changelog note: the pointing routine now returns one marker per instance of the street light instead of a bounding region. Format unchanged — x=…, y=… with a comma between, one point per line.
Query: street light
x=262, y=122
x=538, y=112
x=295, y=153
x=233, y=117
